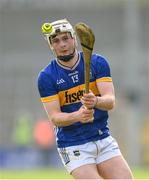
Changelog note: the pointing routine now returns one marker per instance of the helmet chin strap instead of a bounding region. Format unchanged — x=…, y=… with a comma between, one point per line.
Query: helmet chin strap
x=66, y=58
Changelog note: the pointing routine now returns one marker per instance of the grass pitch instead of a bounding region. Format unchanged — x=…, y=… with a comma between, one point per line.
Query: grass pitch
x=35, y=174
x=139, y=173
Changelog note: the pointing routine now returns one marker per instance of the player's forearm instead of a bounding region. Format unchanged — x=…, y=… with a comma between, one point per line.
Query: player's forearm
x=106, y=102
x=64, y=119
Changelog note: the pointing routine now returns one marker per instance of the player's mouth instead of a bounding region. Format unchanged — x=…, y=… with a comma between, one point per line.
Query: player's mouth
x=65, y=52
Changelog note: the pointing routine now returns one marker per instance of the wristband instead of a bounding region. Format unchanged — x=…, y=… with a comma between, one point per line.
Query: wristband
x=96, y=101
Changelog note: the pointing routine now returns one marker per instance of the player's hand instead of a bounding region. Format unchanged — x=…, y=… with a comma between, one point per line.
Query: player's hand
x=89, y=100
x=86, y=115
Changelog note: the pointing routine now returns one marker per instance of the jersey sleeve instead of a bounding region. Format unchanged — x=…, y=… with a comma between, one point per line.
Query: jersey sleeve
x=46, y=88
x=103, y=73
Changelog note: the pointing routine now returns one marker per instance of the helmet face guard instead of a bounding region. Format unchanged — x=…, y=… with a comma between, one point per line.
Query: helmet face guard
x=51, y=29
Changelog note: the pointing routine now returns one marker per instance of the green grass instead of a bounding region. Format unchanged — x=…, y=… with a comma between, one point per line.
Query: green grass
x=139, y=173
x=35, y=174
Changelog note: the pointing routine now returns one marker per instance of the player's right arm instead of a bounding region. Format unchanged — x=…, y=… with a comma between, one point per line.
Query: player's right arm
x=62, y=119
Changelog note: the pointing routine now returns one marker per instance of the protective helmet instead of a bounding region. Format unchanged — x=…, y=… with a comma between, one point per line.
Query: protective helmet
x=50, y=29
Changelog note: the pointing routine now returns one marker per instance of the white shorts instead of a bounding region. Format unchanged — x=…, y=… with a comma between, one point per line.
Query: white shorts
x=93, y=152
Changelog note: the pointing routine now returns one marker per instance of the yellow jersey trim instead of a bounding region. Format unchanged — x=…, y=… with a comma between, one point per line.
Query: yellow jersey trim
x=49, y=98
x=104, y=79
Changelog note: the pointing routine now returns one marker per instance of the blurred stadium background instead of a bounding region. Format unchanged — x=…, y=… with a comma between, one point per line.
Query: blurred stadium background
x=122, y=35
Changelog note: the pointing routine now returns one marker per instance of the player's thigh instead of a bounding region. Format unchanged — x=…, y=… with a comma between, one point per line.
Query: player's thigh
x=88, y=171
x=115, y=168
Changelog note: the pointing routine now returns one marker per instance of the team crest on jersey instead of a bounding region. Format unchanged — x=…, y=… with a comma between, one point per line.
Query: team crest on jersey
x=76, y=153
x=91, y=75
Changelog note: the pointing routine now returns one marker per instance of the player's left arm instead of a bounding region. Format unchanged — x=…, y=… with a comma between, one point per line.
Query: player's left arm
x=105, y=101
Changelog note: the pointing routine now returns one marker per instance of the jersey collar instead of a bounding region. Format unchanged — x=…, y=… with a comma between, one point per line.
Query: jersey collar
x=69, y=68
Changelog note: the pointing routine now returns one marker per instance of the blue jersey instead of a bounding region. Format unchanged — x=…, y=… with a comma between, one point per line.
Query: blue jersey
x=56, y=81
